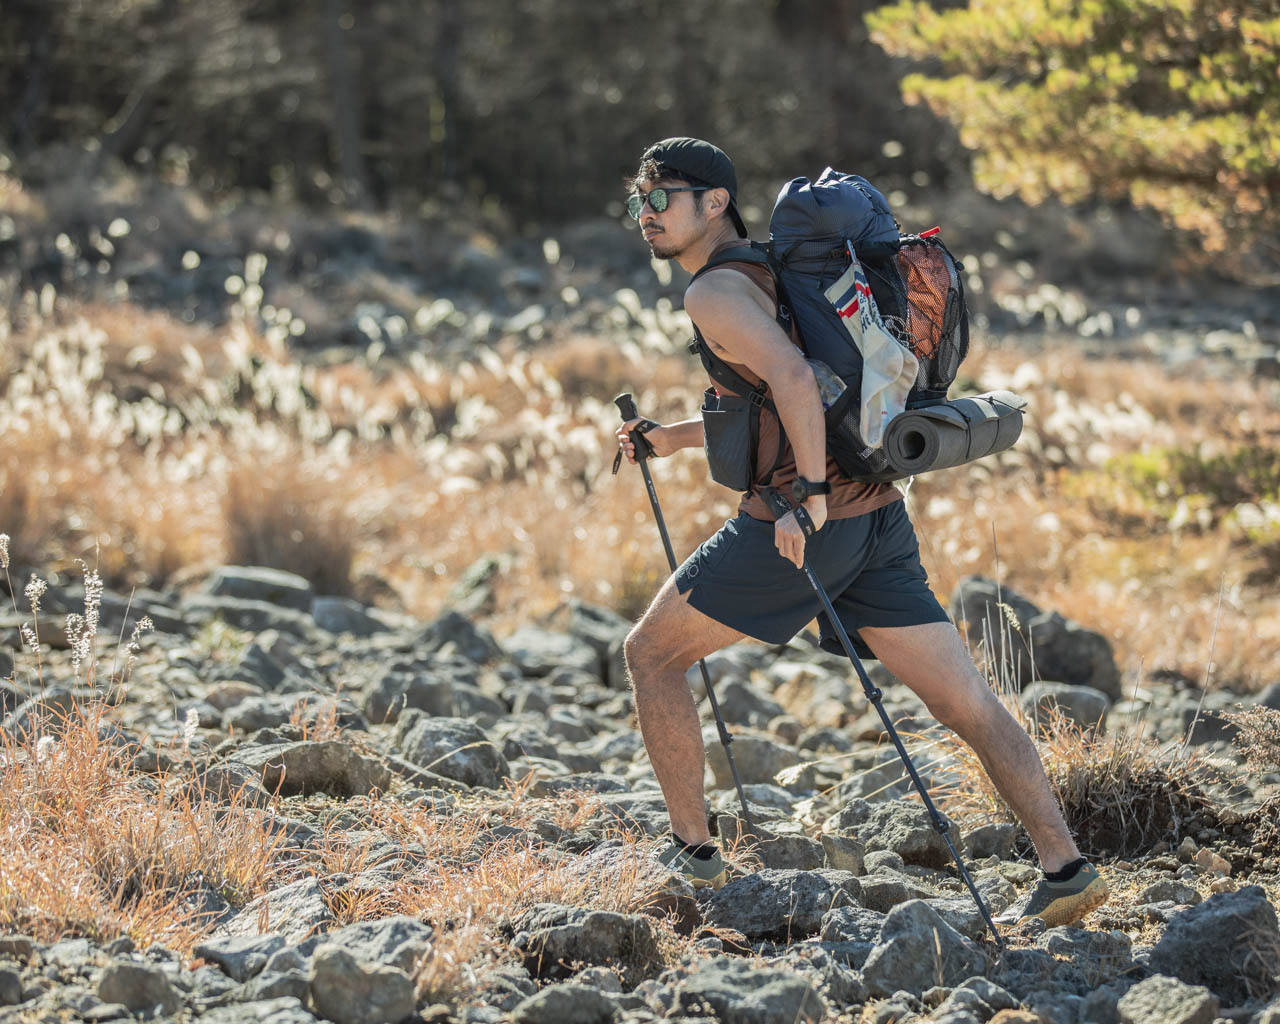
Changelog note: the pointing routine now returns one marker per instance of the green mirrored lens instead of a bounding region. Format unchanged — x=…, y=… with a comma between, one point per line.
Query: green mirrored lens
x=635, y=203
x=658, y=199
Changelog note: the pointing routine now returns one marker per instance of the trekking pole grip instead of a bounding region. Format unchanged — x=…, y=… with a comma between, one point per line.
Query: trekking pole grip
x=627, y=407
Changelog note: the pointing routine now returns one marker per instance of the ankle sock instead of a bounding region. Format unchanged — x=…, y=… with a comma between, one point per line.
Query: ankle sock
x=705, y=851
x=1067, y=872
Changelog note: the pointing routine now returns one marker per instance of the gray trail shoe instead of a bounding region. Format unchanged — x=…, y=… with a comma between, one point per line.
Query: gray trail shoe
x=701, y=873
x=1060, y=903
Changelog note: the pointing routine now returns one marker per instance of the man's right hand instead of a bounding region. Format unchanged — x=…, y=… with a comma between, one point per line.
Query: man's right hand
x=658, y=437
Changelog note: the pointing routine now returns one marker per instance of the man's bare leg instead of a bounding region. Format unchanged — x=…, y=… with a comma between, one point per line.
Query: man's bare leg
x=932, y=661
x=670, y=637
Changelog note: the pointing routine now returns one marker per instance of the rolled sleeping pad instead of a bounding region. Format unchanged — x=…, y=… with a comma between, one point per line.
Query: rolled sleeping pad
x=953, y=433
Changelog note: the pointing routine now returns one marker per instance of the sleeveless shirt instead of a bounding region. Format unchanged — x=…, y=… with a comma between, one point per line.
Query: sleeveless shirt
x=848, y=498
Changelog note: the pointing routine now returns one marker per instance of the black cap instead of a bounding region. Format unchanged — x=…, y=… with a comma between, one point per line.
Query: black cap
x=695, y=158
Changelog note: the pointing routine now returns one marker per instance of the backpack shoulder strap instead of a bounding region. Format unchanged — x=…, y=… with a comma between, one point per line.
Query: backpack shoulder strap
x=757, y=253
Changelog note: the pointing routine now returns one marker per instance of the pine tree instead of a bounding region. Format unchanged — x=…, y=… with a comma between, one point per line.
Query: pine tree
x=1171, y=104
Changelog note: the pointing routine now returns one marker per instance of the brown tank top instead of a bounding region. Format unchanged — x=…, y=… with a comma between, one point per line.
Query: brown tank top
x=848, y=498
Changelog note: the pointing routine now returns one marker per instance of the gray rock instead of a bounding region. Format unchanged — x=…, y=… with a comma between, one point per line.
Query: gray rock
x=1102, y=954
x=255, y=583
x=1082, y=705
x=294, y=910
x=257, y=665
x=395, y=941
x=267, y=712
x=882, y=893
x=240, y=956
x=20, y=947
x=784, y=850
x=539, y=652
x=452, y=747
x=980, y=997
x=6, y=672
x=231, y=781
x=1163, y=1000
x=852, y=924
x=1268, y=698
x=276, y=985
x=843, y=854
x=1230, y=943
x=343, y=615
x=395, y=689
x=284, y=1010
x=994, y=840
x=585, y=782
x=780, y=904
x=347, y=992
x=10, y=987
x=603, y=629
x=976, y=602
x=316, y=766
x=559, y=937
x=1269, y=1014
x=740, y=702
x=758, y=758
x=458, y=633
x=143, y=988
x=917, y=950
x=254, y=616
x=736, y=992
x=1067, y=651
x=1173, y=890
x=566, y=1004
x=905, y=828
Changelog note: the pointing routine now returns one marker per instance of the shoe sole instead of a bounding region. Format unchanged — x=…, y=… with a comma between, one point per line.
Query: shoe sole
x=1067, y=910
x=708, y=883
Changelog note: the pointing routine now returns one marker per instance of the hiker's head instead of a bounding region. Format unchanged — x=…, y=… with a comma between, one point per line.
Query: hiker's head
x=691, y=165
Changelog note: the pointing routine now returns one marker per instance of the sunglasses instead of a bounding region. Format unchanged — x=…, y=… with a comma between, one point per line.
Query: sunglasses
x=657, y=198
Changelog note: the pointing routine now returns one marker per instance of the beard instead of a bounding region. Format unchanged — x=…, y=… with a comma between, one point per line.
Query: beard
x=663, y=250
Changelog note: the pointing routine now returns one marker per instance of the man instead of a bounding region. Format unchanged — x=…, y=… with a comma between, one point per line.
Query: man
x=746, y=579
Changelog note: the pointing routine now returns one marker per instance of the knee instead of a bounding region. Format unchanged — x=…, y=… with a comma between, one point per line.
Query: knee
x=968, y=711
x=637, y=651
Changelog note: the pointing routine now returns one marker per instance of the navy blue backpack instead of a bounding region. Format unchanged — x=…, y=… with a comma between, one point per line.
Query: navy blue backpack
x=915, y=281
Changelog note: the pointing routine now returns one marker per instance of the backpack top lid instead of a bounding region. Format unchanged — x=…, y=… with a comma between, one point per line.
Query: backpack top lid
x=810, y=218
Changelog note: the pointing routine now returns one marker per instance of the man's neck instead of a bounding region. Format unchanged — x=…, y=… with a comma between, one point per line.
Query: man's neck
x=696, y=256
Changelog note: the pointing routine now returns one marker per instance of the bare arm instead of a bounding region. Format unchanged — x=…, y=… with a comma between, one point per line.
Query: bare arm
x=665, y=440
x=735, y=315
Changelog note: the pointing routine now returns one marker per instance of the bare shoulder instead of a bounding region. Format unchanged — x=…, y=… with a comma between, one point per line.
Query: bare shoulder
x=724, y=294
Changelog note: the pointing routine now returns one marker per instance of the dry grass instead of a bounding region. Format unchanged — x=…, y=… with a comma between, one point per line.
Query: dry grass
x=92, y=850
x=169, y=448
x=1121, y=792
x=1258, y=738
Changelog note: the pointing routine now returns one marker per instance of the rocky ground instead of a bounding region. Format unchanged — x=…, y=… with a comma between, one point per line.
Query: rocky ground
x=345, y=728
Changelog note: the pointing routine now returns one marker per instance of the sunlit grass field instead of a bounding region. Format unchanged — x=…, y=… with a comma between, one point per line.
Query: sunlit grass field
x=1140, y=501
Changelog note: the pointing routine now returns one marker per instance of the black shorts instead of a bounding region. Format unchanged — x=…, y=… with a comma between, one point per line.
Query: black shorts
x=869, y=566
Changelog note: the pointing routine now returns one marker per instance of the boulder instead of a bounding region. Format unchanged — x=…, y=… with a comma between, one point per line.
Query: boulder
x=258, y=583
x=905, y=828
x=758, y=758
x=294, y=910
x=458, y=633
x=781, y=904
x=452, y=747
x=1230, y=944
x=558, y=938
x=316, y=766
x=917, y=950
x=539, y=652
x=1082, y=705
x=240, y=956
x=346, y=991
x=1069, y=652
x=395, y=689
x=736, y=992
x=343, y=615
x=566, y=1004
x=1164, y=1000
x=143, y=988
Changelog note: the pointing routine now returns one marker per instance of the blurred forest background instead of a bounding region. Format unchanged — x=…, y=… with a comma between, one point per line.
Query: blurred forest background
x=346, y=287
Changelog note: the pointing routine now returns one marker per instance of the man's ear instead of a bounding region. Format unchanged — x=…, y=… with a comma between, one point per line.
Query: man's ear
x=718, y=199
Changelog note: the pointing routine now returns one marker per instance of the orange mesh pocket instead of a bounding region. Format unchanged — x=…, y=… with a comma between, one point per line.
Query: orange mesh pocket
x=928, y=279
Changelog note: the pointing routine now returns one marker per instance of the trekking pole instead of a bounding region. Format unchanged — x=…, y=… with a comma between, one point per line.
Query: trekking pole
x=940, y=824
x=644, y=450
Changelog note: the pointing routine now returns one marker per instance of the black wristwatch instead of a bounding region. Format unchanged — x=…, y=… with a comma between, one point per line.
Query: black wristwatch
x=804, y=489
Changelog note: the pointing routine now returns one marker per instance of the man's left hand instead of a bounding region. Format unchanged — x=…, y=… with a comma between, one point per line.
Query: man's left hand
x=789, y=537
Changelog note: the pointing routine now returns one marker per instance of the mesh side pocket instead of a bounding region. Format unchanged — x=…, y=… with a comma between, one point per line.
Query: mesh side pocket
x=937, y=322
x=726, y=425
